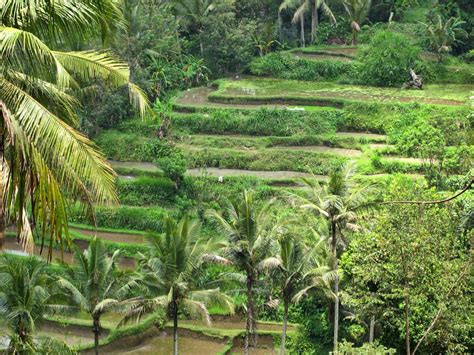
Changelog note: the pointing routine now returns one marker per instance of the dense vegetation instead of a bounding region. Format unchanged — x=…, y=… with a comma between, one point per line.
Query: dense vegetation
x=299, y=171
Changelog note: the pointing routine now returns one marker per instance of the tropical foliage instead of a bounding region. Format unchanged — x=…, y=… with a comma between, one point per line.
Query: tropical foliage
x=42, y=154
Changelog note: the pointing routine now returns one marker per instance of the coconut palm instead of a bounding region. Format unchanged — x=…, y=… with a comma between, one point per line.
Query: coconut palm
x=171, y=271
x=339, y=203
x=303, y=6
x=195, y=11
x=357, y=11
x=24, y=297
x=94, y=285
x=249, y=230
x=298, y=268
x=44, y=160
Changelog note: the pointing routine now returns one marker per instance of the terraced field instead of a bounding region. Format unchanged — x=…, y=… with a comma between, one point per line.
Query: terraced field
x=237, y=129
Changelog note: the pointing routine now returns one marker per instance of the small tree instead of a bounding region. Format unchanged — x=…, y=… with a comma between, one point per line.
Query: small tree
x=174, y=166
x=442, y=34
x=24, y=297
x=387, y=60
x=170, y=271
x=339, y=204
x=357, y=11
x=94, y=284
x=298, y=268
x=249, y=230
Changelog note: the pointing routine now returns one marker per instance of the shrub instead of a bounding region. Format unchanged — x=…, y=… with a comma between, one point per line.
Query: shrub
x=127, y=217
x=265, y=160
x=263, y=121
x=387, y=60
x=146, y=190
x=173, y=166
x=130, y=146
x=287, y=66
x=346, y=348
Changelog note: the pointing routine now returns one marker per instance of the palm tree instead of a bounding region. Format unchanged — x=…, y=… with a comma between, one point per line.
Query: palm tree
x=171, y=271
x=302, y=6
x=357, y=10
x=297, y=267
x=94, y=285
x=24, y=297
x=339, y=204
x=195, y=11
x=249, y=231
x=44, y=160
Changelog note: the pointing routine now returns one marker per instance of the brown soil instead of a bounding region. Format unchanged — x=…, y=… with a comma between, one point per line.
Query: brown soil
x=154, y=341
x=66, y=256
x=380, y=146
x=404, y=160
x=265, y=346
x=70, y=334
x=134, y=165
x=199, y=97
x=362, y=135
x=353, y=153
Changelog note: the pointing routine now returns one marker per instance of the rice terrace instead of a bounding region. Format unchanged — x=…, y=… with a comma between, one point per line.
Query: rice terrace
x=236, y=177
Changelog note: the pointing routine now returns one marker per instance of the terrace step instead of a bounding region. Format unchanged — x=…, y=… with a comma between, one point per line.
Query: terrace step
x=353, y=153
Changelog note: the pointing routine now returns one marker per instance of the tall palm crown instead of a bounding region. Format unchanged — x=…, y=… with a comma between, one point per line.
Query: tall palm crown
x=171, y=272
x=339, y=204
x=249, y=229
x=94, y=283
x=302, y=6
x=23, y=297
x=357, y=10
x=44, y=159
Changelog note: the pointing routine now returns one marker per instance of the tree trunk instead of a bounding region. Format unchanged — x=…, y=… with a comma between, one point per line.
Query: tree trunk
x=175, y=328
x=251, y=329
x=371, y=329
x=285, y=321
x=314, y=22
x=96, y=331
x=354, y=36
x=407, y=326
x=336, y=284
x=302, y=31
x=2, y=198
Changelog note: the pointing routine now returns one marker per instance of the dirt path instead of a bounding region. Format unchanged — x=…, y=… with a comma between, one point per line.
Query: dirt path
x=66, y=256
x=362, y=135
x=144, y=166
x=353, y=153
x=198, y=97
x=404, y=159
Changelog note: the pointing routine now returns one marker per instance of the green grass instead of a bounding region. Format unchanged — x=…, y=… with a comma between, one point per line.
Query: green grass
x=255, y=142
x=104, y=229
x=261, y=89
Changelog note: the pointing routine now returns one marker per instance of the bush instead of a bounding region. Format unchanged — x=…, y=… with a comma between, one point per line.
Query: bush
x=130, y=146
x=173, y=166
x=266, y=122
x=387, y=60
x=127, y=217
x=346, y=348
x=265, y=160
x=145, y=190
x=287, y=66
